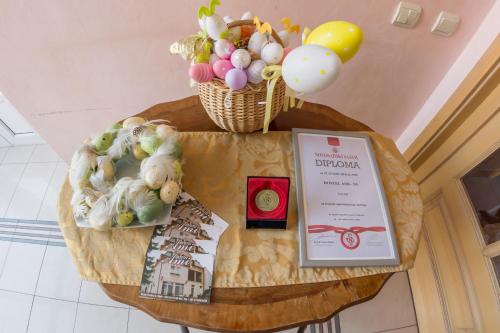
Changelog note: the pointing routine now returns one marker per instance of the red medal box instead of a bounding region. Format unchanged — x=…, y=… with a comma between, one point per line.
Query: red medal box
x=267, y=202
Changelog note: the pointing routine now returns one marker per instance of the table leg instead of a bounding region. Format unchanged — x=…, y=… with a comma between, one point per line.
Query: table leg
x=302, y=329
x=184, y=329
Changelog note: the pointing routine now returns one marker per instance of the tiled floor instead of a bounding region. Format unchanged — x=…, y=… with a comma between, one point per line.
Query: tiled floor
x=40, y=290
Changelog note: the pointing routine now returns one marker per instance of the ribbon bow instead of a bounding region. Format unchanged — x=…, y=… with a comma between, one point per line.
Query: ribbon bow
x=272, y=74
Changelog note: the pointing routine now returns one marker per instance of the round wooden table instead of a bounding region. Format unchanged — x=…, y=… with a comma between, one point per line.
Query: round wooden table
x=256, y=309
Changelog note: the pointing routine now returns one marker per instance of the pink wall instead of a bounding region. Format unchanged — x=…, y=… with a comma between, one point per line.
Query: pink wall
x=73, y=67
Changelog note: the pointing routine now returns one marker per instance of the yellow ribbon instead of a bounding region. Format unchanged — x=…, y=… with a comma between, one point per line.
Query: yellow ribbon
x=272, y=74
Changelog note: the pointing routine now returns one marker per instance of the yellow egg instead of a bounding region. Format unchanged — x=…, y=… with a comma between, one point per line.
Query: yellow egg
x=169, y=191
x=343, y=38
x=108, y=168
x=138, y=152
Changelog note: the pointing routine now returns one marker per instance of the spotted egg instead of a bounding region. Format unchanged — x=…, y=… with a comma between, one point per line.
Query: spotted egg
x=310, y=68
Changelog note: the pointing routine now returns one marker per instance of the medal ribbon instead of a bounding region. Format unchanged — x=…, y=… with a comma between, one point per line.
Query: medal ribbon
x=317, y=228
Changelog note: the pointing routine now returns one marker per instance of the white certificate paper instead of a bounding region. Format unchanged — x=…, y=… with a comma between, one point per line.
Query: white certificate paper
x=342, y=207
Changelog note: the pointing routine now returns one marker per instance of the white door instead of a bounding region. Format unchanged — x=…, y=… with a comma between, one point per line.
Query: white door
x=14, y=129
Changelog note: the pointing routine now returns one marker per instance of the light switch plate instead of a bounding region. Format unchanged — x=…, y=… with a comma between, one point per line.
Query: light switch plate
x=446, y=24
x=407, y=15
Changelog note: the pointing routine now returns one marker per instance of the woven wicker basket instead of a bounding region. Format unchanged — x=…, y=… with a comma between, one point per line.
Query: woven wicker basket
x=243, y=110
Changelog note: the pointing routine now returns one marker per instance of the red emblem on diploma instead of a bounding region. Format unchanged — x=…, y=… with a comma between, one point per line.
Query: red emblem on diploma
x=332, y=141
x=350, y=240
x=349, y=237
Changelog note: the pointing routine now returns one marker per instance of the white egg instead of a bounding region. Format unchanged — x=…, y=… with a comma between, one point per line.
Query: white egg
x=285, y=37
x=255, y=42
x=215, y=26
x=240, y=58
x=247, y=16
x=223, y=48
x=254, y=71
x=272, y=53
x=310, y=68
x=228, y=19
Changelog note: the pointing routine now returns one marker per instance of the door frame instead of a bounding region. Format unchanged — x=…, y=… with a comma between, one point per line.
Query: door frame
x=473, y=109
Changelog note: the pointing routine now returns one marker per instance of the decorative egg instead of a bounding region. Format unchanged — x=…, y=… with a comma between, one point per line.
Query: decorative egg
x=240, y=58
x=223, y=48
x=138, y=152
x=155, y=177
x=201, y=72
x=103, y=142
x=248, y=15
x=221, y=67
x=170, y=191
x=150, y=143
x=228, y=19
x=164, y=131
x=286, y=50
x=107, y=167
x=132, y=122
x=213, y=58
x=285, y=37
x=215, y=26
x=343, y=38
x=254, y=71
x=257, y=40
x=150, y=212
x=272, y=53
x=236, y=79
x=124, y=219
x=310, y=68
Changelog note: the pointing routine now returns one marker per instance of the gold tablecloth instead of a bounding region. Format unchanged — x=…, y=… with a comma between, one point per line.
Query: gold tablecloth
x=215, y=172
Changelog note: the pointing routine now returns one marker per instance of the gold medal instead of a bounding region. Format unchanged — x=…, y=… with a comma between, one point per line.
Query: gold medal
x=267, y=200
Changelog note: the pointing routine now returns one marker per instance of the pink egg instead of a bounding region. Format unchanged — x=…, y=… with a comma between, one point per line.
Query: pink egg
x=286, y=50
x=223, y=48
x=236, y=78
x=201, y=72
x=221, y=67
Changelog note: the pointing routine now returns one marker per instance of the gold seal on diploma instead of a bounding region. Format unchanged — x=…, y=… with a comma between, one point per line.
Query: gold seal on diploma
x=267, y=200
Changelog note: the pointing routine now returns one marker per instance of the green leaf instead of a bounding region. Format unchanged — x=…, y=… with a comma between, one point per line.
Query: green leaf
x=212, y=5
x=203, y=11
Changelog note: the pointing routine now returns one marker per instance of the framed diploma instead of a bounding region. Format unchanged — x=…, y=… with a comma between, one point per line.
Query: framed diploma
x=343, y=215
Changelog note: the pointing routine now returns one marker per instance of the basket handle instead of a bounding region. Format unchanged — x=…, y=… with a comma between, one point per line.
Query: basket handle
x=239, y=23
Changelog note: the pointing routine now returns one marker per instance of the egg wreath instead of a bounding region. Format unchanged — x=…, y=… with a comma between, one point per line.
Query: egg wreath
x=128, y=176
